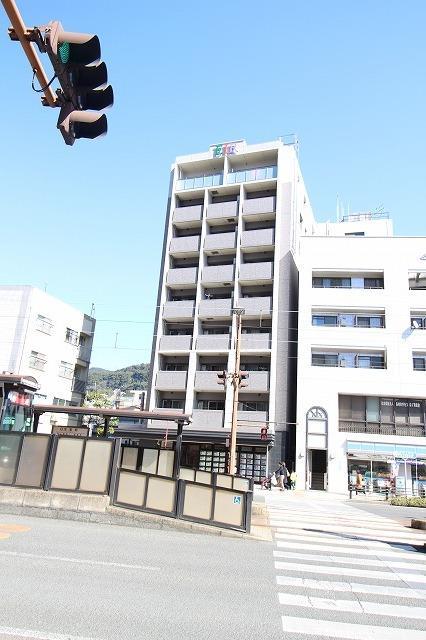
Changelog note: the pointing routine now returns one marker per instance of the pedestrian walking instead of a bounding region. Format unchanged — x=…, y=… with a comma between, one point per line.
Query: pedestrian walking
x=282, y=475
x=293, y=478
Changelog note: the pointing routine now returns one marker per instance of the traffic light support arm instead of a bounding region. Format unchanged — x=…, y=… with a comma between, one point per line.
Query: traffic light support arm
x=21, y=32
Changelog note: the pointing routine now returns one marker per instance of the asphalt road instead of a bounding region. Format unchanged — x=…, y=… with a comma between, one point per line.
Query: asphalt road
x=71, y=580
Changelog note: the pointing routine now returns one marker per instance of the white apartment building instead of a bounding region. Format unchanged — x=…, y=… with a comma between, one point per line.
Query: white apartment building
x=361, y=357
x=48, y=339
x=234, y=219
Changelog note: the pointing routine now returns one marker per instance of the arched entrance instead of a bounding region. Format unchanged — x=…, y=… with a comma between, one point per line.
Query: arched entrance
x=316, y=448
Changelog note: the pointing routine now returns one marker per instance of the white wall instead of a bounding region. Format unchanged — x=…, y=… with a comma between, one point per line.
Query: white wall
x=320, y=386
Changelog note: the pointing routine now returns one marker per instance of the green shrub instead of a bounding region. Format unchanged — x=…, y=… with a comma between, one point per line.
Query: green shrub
x=401, y=501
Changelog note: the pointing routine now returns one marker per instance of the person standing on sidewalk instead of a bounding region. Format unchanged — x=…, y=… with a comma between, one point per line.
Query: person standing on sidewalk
x=293, y=478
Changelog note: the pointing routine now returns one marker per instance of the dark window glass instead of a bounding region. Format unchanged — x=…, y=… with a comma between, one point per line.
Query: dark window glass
x=358, y=408
x=373, y=283
x=211, y=405
x=317, y=283
x=415, y=410
x=401, y=411
x=418, y=322
x=176, y=366
x=325, y=359
x=419, y=363
x=168, y=403
x=345, y=407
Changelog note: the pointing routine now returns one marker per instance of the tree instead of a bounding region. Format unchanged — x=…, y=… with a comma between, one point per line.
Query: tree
x=99, y=400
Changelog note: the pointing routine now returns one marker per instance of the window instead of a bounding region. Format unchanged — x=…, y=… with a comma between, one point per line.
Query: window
x=211, y=405
x=418, y=322
x=373, y=283
x=71, y=336
x=212, y=366
x=417, y=280
x=168, y=403
x=344, y=282
x=43, y=324
x=373, y=410
x=395, y=416
x=215, y=331
x=66, y=370
x=324, y=321
x=254, y=366
x=419, y=362
x=180, y=332
x=60, y=402
x=252, y=405
x=37, y=361
x=325, y=359
x=175, y=366
x=349, y=360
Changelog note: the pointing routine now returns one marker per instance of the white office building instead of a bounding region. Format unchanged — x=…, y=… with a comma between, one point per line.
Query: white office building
x=48, y=339
x=235, y=215
x=362, y=357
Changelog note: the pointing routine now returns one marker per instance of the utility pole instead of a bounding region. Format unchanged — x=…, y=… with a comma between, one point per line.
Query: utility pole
x=236, y=383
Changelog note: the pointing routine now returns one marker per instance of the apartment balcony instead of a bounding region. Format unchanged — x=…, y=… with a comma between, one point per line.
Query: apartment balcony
x=256, y=272
x=255, y=341
x=249, y=175
x=187, y=215
x=175, y=343
x=171, y=380
x=203, y=419
x=207, y=381
x=258, y=238
x=184, y=245
x=200, y=182
x=254, y=419
x=83, y=355
x=218, y=308
x=78, y=386
x=182, y=277
x=256, y=307
x=220, y=242
x=214, y=342
x=178, y=310
x=218, y=273
x=222, y=210
x=259, y=206
x=257, y=382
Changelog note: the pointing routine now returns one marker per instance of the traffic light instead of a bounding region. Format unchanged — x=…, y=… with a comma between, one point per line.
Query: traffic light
x=222, y=378
x=264, y=433
x=242, y=375
x=84, y=91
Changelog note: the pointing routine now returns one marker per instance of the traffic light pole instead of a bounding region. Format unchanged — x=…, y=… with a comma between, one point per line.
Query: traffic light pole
x=24, y=36
x=236, y=386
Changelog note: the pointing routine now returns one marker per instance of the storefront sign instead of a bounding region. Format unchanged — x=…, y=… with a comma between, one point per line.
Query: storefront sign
x=71, y=431
x=226, y=149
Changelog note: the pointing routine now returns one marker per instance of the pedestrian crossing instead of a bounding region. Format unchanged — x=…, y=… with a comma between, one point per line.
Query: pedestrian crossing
x=344, y=573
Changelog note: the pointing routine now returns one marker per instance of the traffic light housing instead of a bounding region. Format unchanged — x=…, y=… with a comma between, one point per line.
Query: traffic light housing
x=222, y=375
x=264, y=433
x=242, y=376
x=84, y=90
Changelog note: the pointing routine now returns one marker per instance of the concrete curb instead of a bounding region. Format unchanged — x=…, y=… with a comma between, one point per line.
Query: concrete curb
x=85, y=507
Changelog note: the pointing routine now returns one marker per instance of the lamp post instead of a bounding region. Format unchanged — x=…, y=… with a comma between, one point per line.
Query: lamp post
x=237, y=312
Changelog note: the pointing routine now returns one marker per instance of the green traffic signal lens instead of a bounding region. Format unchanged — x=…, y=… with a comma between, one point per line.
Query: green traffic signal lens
x=64, y=52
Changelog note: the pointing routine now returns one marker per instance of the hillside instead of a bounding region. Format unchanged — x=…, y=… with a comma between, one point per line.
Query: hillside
x=133, y=377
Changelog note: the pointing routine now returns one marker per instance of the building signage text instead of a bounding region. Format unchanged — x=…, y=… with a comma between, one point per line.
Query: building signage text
x=225, y=149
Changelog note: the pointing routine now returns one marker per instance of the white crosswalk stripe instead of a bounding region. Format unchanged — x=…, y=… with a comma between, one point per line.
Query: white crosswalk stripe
x=345, y=573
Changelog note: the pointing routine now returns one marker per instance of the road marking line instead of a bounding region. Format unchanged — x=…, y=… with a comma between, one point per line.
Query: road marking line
x=352, y=587
x=40, y=635
x=344, y=571
x=328, y=539
x=406, y=538
x=331, y=629
x=367, y=562
x=359, y=606
x=34, y=556
x=355, y=550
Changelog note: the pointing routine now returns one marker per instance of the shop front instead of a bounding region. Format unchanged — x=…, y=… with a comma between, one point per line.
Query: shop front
x=400, y=468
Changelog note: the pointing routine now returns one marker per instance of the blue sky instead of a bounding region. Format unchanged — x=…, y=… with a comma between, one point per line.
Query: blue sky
x=86, y=222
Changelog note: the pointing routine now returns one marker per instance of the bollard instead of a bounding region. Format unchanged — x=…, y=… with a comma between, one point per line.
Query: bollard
x=350, y=493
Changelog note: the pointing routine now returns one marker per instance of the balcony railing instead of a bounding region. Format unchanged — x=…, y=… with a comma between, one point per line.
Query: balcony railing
x=175, y=343
x=352, y=426
x=199, y=182
x=171, y=380
x=261, y=173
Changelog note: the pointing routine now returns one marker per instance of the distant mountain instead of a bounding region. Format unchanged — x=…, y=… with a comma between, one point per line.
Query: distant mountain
x=133, y=377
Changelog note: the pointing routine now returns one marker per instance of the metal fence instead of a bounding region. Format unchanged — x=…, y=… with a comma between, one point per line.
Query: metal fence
x=144, y=479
